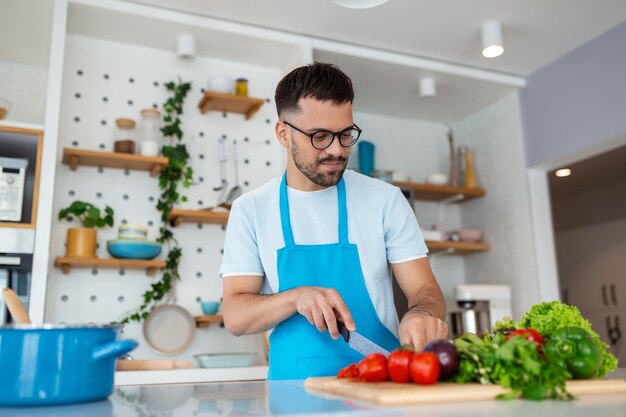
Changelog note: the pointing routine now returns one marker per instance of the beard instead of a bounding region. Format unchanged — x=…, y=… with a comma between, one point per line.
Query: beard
x=310, y=169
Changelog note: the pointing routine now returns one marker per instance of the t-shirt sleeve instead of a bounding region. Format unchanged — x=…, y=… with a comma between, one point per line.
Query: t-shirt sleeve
x=403, y=237
x=241, y=252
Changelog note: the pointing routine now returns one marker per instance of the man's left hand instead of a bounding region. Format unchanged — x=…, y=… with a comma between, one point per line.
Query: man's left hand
x=418, y=329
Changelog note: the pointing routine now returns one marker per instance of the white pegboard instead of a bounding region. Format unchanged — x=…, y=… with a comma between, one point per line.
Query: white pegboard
x=103, y=81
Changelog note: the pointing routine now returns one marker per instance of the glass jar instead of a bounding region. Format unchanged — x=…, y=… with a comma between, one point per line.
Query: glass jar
x=124, y=135
x=150, y=132
x=241, y=87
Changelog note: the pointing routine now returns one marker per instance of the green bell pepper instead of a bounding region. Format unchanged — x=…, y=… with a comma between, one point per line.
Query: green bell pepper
x=574, y=347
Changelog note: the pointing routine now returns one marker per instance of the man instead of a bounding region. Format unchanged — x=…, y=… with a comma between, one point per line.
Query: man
x=314, y=246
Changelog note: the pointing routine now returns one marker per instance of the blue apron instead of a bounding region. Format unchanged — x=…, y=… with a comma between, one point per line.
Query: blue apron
x=297, y=349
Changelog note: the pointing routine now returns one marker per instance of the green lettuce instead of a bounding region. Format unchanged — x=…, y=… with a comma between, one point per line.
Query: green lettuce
x=549, y=316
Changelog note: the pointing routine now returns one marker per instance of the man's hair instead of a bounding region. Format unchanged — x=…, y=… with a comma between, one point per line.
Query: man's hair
x=320, y=81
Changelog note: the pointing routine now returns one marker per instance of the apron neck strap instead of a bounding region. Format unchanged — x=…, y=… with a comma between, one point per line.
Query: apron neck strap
x=285, y=219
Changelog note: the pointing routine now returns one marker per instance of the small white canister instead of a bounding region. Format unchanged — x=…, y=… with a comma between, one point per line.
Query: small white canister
x=150, y=132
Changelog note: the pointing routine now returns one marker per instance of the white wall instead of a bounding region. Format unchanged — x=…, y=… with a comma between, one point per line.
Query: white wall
x=417, y=148
x=104, y=295
x=495, y=136
x=24, y=86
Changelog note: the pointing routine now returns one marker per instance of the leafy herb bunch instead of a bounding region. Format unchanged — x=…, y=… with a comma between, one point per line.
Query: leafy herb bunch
x=177, y=173
x=516, y=364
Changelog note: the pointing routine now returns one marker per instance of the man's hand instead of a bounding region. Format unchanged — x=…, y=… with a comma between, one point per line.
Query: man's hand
x=419, y=328
x=322, y=307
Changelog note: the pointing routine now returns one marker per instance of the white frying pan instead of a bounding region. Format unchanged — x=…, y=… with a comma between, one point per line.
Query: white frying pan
x=169, y=328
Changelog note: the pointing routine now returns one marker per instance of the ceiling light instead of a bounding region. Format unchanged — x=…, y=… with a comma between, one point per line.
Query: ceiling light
x=428, y=87
x=564, y=172
x=186, y=47
x=492, y=39
x=359, y=4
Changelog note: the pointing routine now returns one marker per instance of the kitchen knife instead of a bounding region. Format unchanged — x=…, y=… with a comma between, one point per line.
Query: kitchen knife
x=358, y=342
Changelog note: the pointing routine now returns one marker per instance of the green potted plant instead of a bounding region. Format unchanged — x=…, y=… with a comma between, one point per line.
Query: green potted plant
x=81, y=241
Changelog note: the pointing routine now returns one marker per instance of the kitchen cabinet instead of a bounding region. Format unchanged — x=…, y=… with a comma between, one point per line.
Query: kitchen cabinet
x=20, y=191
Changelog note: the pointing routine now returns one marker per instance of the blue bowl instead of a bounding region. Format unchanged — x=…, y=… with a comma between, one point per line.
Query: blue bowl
x=133, y=249
x=210, y=307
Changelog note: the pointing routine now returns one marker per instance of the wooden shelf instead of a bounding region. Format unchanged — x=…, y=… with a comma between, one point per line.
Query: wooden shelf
x=75, y=157
x=204, y=321
x=179, y=216
x=18, y=225
x=151, y=266
x=245, y=105
x=456, y=247
x=430, y=192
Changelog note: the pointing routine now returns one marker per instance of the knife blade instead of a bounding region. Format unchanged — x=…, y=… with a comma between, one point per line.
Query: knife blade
x=359, y=342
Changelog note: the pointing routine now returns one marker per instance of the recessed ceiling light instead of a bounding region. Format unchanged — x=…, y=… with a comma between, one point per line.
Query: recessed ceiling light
x=359, y=4
x=186, y=46
x=428, y=88
x=492, y=39
x=564, y=172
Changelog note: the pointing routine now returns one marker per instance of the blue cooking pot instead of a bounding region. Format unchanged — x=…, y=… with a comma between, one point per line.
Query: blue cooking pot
x=58, y=364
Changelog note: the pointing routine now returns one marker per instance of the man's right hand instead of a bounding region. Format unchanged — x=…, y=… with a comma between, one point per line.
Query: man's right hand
x=322, y=307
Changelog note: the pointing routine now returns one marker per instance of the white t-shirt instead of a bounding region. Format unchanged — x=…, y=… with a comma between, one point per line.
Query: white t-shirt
x=381, y=223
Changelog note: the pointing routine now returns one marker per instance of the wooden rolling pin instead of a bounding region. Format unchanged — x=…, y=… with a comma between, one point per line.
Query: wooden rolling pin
x=150, y=364
x=15, y=307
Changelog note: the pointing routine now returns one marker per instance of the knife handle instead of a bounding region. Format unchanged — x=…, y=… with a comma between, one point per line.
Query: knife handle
x=343, y=331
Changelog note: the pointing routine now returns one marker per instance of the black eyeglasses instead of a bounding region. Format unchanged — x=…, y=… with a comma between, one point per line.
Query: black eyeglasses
x=322, y=139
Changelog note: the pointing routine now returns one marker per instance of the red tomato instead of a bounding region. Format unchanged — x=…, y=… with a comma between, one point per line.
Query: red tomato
x=350, y=371
x=531, y=335
x=373, y=368
x=398, y=365
x=424, y=368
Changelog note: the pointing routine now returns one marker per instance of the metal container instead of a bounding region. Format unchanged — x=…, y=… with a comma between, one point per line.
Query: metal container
x=58, y=364
x=469, y=317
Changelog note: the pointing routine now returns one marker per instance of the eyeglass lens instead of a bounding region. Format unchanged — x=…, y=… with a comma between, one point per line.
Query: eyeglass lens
x=347, y=138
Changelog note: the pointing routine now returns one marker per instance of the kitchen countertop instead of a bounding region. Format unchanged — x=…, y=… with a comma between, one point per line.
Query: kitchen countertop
x=288, y=398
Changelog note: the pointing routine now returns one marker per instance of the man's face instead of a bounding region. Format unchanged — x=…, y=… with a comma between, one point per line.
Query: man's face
x=323, y=167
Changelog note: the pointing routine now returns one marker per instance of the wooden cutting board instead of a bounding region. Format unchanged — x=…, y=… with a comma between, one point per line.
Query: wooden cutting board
x=393, y=394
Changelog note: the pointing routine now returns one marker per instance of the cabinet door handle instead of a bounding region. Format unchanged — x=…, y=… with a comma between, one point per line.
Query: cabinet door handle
x=605, y=298
x=613, y=295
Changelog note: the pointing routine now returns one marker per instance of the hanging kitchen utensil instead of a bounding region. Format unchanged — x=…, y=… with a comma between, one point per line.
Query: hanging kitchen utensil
x=236, y=191
x=222, y=161
x=19, y=314
x=169, y=328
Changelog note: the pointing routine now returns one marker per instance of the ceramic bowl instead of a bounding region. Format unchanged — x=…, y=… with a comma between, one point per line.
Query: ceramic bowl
x=132, y=231
x=221, y=84
x=210, y=307
x=470, y=235
x=437, y=179
x=225, y=360
x=133, y=249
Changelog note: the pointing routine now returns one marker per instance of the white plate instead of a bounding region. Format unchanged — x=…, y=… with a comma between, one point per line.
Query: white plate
x=169, y=329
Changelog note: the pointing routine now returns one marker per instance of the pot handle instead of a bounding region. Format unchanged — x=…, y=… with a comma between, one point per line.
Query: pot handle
x=115, y=349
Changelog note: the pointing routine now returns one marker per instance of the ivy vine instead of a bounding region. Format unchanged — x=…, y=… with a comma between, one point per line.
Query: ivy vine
x=176, y=174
